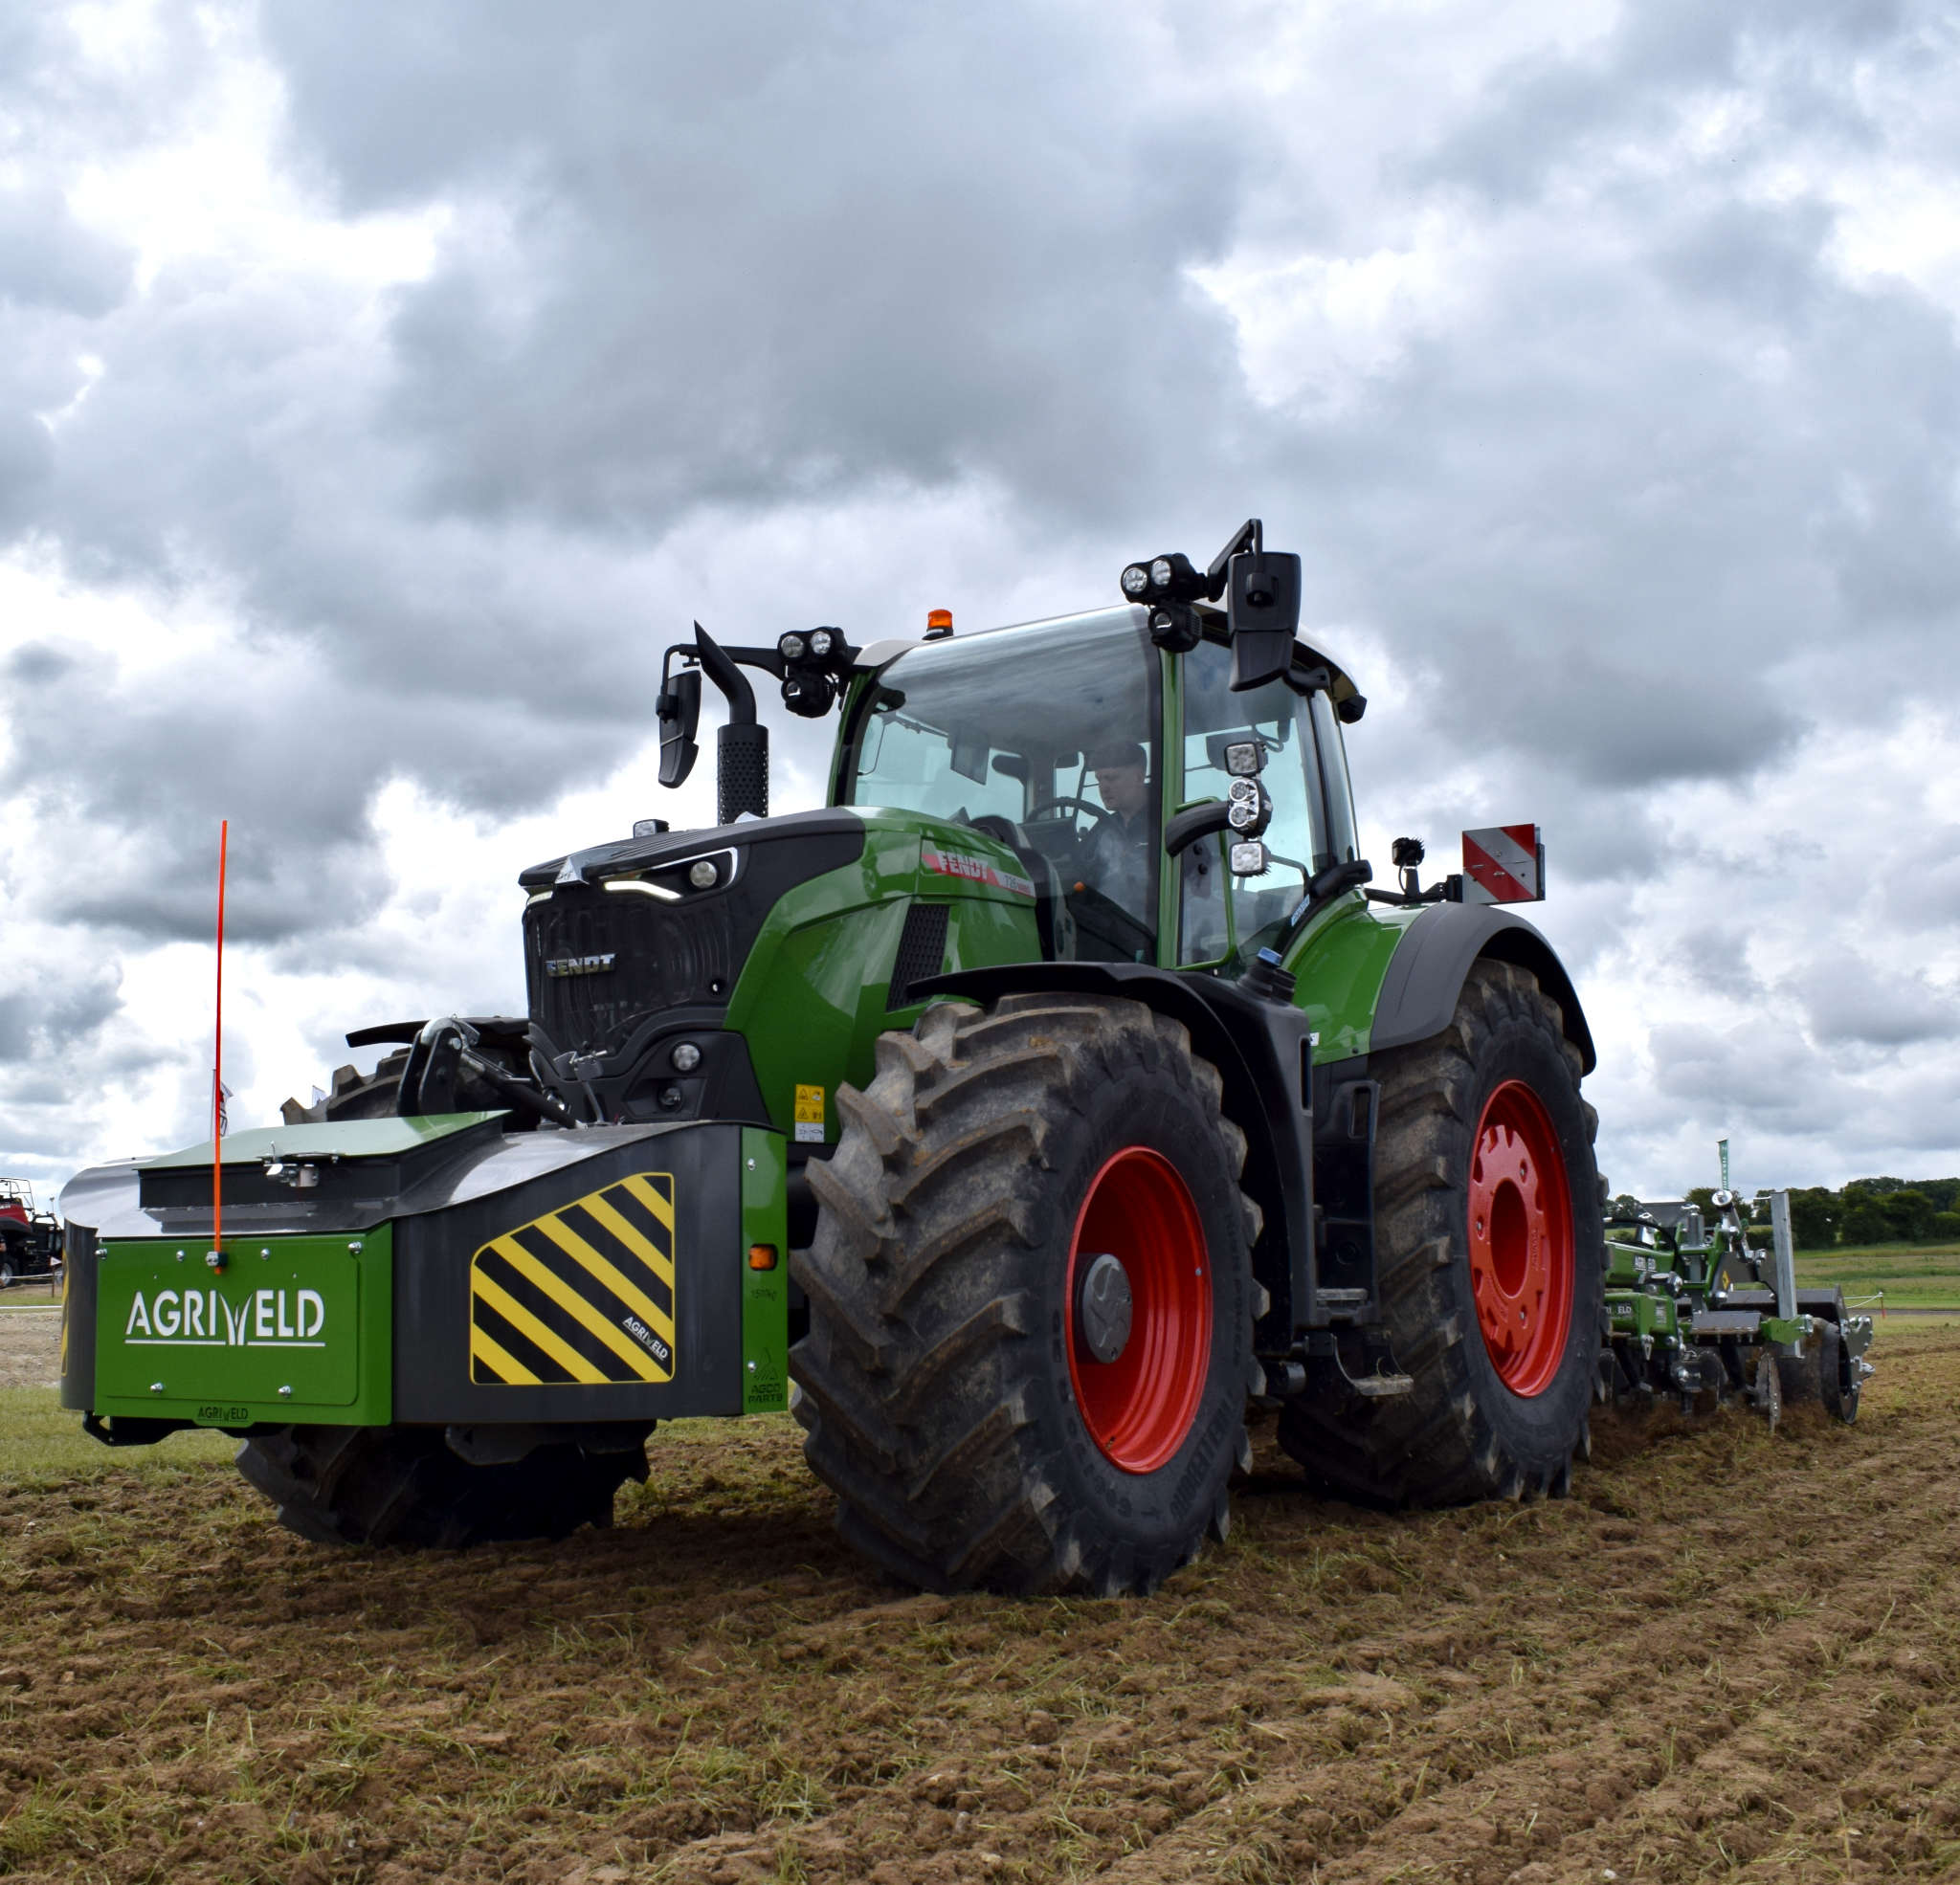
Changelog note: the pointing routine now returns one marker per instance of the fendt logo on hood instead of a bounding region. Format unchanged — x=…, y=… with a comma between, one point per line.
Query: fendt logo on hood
x=203, y=1319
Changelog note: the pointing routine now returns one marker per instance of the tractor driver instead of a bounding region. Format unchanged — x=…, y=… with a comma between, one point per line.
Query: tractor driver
x=1116, y=856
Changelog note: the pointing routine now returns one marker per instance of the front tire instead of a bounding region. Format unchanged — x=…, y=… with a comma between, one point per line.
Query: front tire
x=403, y=1486
x=355, y=1095
x=973, y=1390
x=1490, y=1258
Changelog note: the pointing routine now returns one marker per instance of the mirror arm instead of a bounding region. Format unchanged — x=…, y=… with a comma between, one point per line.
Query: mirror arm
x=1251, y=535
x=767, y=660
x=1268, y=976
x=1198, y=821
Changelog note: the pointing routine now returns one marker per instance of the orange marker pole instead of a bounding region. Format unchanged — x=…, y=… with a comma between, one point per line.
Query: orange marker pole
x=218, y=1070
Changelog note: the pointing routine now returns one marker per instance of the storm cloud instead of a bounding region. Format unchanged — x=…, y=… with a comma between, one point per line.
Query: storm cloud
x=383, y=388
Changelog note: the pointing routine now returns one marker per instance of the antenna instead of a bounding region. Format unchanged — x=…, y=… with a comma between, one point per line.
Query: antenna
x=217, y=1071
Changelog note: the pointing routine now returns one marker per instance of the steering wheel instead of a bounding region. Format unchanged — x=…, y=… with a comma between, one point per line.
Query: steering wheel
x=1049, y=807
x=994, y=826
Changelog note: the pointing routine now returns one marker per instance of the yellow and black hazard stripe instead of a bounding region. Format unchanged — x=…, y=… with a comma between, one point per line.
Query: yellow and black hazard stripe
x=582, y=1296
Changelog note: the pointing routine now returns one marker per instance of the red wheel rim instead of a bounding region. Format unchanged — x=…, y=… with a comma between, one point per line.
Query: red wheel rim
x=1139, y=1408
x=1521, y=1239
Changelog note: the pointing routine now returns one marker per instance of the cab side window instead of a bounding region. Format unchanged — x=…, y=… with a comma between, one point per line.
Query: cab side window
x=1224, y=917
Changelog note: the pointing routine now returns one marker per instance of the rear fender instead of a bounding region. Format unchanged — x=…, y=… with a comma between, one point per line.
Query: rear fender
x=1426, y=974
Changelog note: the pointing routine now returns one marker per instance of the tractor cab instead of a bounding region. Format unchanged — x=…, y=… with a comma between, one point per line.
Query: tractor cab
x=1079, y=741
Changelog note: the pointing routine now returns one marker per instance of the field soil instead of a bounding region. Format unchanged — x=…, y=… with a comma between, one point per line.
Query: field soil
x=1730, y=1653
x=30, y=1348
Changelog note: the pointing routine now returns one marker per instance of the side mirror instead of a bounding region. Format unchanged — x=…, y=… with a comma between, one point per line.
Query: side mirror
x=1263, y=607
x=679, y=711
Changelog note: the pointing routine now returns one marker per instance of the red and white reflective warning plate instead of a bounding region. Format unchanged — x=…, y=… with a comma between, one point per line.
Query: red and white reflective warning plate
x=1504, y=864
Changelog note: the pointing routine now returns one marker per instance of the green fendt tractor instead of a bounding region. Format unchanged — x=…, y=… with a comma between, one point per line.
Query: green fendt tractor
x=1024, y=1118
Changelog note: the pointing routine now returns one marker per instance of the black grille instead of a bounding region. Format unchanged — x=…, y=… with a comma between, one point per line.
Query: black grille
x=922, y=951
x=620, y=955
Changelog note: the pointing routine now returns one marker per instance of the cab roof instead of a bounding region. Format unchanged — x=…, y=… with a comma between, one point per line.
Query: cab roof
x=1306, y=655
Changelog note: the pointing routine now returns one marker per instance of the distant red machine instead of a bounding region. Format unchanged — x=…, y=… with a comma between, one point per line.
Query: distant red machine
x=29, y=1238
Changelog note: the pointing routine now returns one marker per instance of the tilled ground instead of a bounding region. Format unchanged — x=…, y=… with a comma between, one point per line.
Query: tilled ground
x=30, y=1348
x=1727, y=1653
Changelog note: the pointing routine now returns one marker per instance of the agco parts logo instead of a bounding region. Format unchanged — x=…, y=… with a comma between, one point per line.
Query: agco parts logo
x=203, y=1319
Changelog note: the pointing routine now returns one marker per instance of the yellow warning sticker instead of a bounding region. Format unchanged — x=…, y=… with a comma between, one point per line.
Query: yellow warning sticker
x=582, y=1296
x=810, y=1115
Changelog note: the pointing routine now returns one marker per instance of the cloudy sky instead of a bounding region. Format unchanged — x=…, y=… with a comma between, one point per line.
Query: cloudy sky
x=382, y=387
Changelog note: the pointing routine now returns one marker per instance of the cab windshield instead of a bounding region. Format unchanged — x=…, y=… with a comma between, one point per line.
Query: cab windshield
x=1046, y=739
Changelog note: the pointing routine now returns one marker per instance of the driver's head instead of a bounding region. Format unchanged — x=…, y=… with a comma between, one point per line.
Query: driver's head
x=1119, y=771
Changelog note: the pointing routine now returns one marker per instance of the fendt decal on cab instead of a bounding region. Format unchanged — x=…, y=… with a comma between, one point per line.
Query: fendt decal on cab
x=973, y=870
x=581, y=1296
x=207, y=1318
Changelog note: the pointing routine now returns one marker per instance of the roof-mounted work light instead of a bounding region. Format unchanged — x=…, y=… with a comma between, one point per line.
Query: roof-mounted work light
x=808, y=693
x=1175, y=628
x=1166, y=579
x=810, y=664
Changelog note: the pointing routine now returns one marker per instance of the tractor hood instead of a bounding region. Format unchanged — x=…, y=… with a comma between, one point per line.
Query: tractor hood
x=622, y=933
x=663, y=858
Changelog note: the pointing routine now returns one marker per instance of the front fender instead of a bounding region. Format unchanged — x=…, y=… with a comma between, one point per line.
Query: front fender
x=1261, y=1050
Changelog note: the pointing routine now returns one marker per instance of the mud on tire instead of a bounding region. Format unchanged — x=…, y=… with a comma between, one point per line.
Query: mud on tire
x=403, y=1486
x=1462, y=1434
x=936, y=1382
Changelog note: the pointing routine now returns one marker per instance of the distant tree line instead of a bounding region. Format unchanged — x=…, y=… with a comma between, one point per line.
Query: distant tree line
x=1868, y=1210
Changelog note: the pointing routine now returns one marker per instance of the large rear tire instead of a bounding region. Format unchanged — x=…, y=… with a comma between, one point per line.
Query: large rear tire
x=403, y=1486
x=1030, y=1301
x=1490, y=1258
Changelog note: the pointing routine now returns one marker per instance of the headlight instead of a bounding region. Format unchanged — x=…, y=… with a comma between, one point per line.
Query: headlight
x=791, y=648
x=1136, y=581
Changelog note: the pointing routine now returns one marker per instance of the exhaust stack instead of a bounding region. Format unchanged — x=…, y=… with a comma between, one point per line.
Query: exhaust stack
x=742, y=747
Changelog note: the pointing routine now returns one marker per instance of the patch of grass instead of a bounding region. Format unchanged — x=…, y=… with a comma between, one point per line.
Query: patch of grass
x=41, y=1441
x=1912, y=1276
